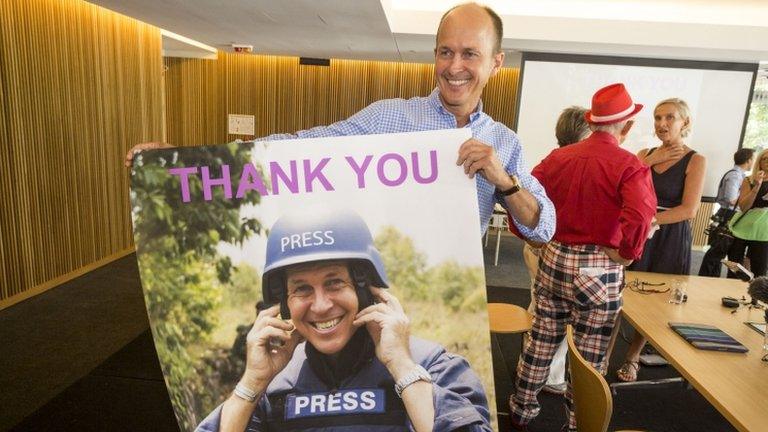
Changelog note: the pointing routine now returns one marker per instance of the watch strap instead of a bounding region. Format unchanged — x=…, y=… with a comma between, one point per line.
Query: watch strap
x=512, y=190
x=418, y=373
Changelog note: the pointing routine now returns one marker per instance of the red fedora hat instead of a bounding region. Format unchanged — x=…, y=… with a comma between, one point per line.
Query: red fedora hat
x=611, y=104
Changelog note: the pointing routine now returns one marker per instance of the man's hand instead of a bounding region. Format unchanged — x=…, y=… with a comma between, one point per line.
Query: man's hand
x=478, y=157
x=664, y=154
x=613, y=254
x=390, y=330
x=143, y=146
x=270, y=345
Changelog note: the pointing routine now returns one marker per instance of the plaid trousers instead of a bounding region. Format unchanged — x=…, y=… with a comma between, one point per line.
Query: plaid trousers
x=577, y=285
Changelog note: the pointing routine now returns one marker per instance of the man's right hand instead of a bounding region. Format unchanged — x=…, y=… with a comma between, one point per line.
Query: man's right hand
x=613, y=254
x=265, y=357
x=143, y=146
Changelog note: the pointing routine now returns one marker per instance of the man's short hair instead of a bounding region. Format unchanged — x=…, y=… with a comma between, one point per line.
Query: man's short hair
x=498, y=27
x=743, y=155
x=571, y=126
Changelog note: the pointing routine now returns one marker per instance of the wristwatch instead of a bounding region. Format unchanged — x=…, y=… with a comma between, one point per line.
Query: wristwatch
x=418, y=373
x=512, y=190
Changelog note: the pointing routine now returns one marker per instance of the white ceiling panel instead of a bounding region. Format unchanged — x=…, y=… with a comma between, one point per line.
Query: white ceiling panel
x=403, y=30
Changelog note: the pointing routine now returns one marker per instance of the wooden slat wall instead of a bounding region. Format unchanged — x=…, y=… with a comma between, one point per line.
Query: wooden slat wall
x=80, y=85
x=700, y=223
x=285, y=96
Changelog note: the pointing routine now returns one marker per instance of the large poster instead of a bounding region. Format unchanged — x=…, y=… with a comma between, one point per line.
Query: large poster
x=362, y=247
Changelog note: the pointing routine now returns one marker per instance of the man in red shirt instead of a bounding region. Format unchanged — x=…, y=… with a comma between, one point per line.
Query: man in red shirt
x=605, y=205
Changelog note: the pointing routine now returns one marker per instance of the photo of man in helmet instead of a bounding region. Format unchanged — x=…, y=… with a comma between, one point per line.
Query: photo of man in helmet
x=334, y=352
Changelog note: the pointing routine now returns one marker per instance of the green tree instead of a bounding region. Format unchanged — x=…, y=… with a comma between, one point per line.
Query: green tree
x=405, y=265
x=756, y=133
x=459, y=287
x=244, y=286
x=182, y=273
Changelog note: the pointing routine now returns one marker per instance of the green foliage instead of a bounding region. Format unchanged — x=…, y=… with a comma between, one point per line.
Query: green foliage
x=159, y=211
x=405, y=266
x=456, y=284
x=182, y=274
x=244, y=287
x=181, y=295
x=756, y=133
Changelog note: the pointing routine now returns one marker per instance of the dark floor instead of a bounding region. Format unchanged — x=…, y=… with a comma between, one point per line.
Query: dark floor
x=88, y=363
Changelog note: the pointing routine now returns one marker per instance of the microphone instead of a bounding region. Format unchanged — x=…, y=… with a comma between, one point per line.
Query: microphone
x=758, y=290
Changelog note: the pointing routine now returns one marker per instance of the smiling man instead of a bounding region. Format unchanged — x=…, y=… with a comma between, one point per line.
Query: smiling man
x=342, y=358
x=467, y=53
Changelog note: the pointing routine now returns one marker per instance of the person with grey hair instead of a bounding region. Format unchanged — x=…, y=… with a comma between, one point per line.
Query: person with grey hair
x=571, y=127
x=604, y=200
x=678, y=178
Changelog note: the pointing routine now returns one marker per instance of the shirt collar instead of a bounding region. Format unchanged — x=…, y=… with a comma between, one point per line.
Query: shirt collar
x=358, y=352
x=604, y=137
x=437, y=104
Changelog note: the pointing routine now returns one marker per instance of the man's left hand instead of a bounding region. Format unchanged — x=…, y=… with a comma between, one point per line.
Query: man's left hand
x=613, y=254
x=390, y=330
x=478, y=157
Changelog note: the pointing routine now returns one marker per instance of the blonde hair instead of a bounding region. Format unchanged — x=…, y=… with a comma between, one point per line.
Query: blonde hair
x=682, y=108
x=756, y=166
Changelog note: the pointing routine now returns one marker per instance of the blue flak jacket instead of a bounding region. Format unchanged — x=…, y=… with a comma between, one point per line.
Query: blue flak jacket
x=298, y=400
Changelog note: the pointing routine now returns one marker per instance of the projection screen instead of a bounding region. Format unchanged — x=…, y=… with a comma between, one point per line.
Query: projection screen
x=717, y=93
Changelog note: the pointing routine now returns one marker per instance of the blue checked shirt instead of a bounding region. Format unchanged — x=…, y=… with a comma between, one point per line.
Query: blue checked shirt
x=428, y=113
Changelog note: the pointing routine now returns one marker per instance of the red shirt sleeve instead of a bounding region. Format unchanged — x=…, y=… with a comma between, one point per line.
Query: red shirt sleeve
x=538, y=171
x=637, y=211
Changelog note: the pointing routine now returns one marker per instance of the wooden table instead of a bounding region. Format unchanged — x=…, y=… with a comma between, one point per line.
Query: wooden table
x=736, y=384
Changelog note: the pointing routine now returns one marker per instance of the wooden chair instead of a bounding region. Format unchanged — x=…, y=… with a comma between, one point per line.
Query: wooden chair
x=508, y=324
x=508, y=318
x=593, y=404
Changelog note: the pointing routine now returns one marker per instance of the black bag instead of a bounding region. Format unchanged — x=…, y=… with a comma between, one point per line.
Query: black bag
x=721, y=238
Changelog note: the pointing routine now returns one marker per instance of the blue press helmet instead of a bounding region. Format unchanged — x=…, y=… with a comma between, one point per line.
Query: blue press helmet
x=302, y=237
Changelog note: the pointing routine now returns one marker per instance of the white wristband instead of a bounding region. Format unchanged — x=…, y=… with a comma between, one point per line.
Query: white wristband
x=245, y=393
